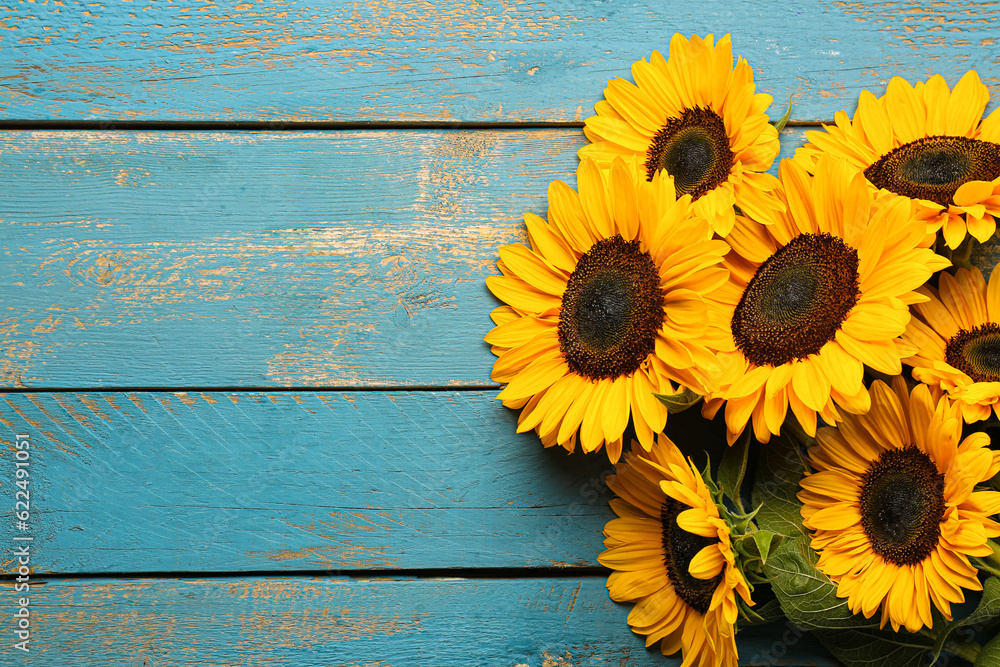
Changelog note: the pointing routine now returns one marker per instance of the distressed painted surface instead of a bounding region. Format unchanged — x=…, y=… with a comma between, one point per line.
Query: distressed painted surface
x=331, y=259
x=261, y=259
x=257, y=621
x=291, y=60
x=207, y=481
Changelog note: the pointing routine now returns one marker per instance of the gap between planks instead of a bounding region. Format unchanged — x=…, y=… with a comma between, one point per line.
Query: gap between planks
x=467, y=573
x=298, y=126
x=244, y=390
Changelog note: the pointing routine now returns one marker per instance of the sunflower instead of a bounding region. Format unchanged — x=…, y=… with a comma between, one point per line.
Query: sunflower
x=607, y=307
x=893, y=509
x=814, y=297
x=671, y=554
x=927, y=144
x=698, y=118
x=957, y=337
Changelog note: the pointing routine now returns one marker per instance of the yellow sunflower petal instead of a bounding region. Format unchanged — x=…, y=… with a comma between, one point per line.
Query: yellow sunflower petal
x=534, y=270
x=539, y=374
x=707, y=563
x=618, y=132
x=639, y=550
x=698, y=86
x=550, y=244
x=518, y=331
x=889, y=131
x=521, y=295
x=880, y=567
x=568, y=387
x=965, y=108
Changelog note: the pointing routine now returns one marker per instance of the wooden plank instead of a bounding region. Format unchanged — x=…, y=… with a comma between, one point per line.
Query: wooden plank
x=255, y=621
x=255, y=259
x=311, y=60
x=227, y=482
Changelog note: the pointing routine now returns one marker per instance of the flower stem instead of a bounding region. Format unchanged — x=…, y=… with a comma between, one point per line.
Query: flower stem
x=994, y=558
x=961, y=255
x=965, y=650
x=986, y=565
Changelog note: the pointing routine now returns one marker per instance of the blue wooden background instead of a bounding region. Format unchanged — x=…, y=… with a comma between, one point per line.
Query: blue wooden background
x=242, y=303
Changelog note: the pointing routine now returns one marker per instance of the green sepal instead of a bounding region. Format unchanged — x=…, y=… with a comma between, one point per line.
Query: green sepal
x=742, y=529
x=680, y=401
x=780, y=125
x=733, y=467
x=752, y=551
x=766, y=542
x=988, y=564
x=768, y=612
x=741, y=526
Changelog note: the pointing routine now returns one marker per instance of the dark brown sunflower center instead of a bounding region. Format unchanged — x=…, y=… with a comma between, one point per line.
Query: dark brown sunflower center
x=611, y=310
x=976, y=352
x=935, y=167
x=902, y=504
x=694, y=149
x=679, y=547
x=797, y=300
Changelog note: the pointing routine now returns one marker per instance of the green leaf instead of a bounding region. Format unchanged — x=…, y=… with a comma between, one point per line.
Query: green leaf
x=876, y=648
x=990, y=655
x=808, y=597
x=733, y=466
x=765, y=544
x=679, y=402
x=768, y=612
x=988, y=609
x=779, y=469
x=780, y=125
x=986, y=612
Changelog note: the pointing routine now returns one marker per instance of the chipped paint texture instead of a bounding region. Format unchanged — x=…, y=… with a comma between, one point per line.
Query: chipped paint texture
x=296, y=276
x=260, y=259
x=490, y=60
x=319, y=261
x=296, y=481
x=258, y=622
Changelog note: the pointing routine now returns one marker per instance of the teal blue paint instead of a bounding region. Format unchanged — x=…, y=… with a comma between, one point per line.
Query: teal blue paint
x=338, y=259
x=161, y=482
x=256, y=621
x=315, y=60
x=334, y=259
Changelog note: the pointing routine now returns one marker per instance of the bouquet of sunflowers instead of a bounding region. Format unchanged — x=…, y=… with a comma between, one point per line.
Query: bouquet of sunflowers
x=832, y=313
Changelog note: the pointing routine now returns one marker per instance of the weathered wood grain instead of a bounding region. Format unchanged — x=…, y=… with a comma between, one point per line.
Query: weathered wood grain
x=236, y=259
x=256, y=621
x=210, y=481
x=292, y=60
